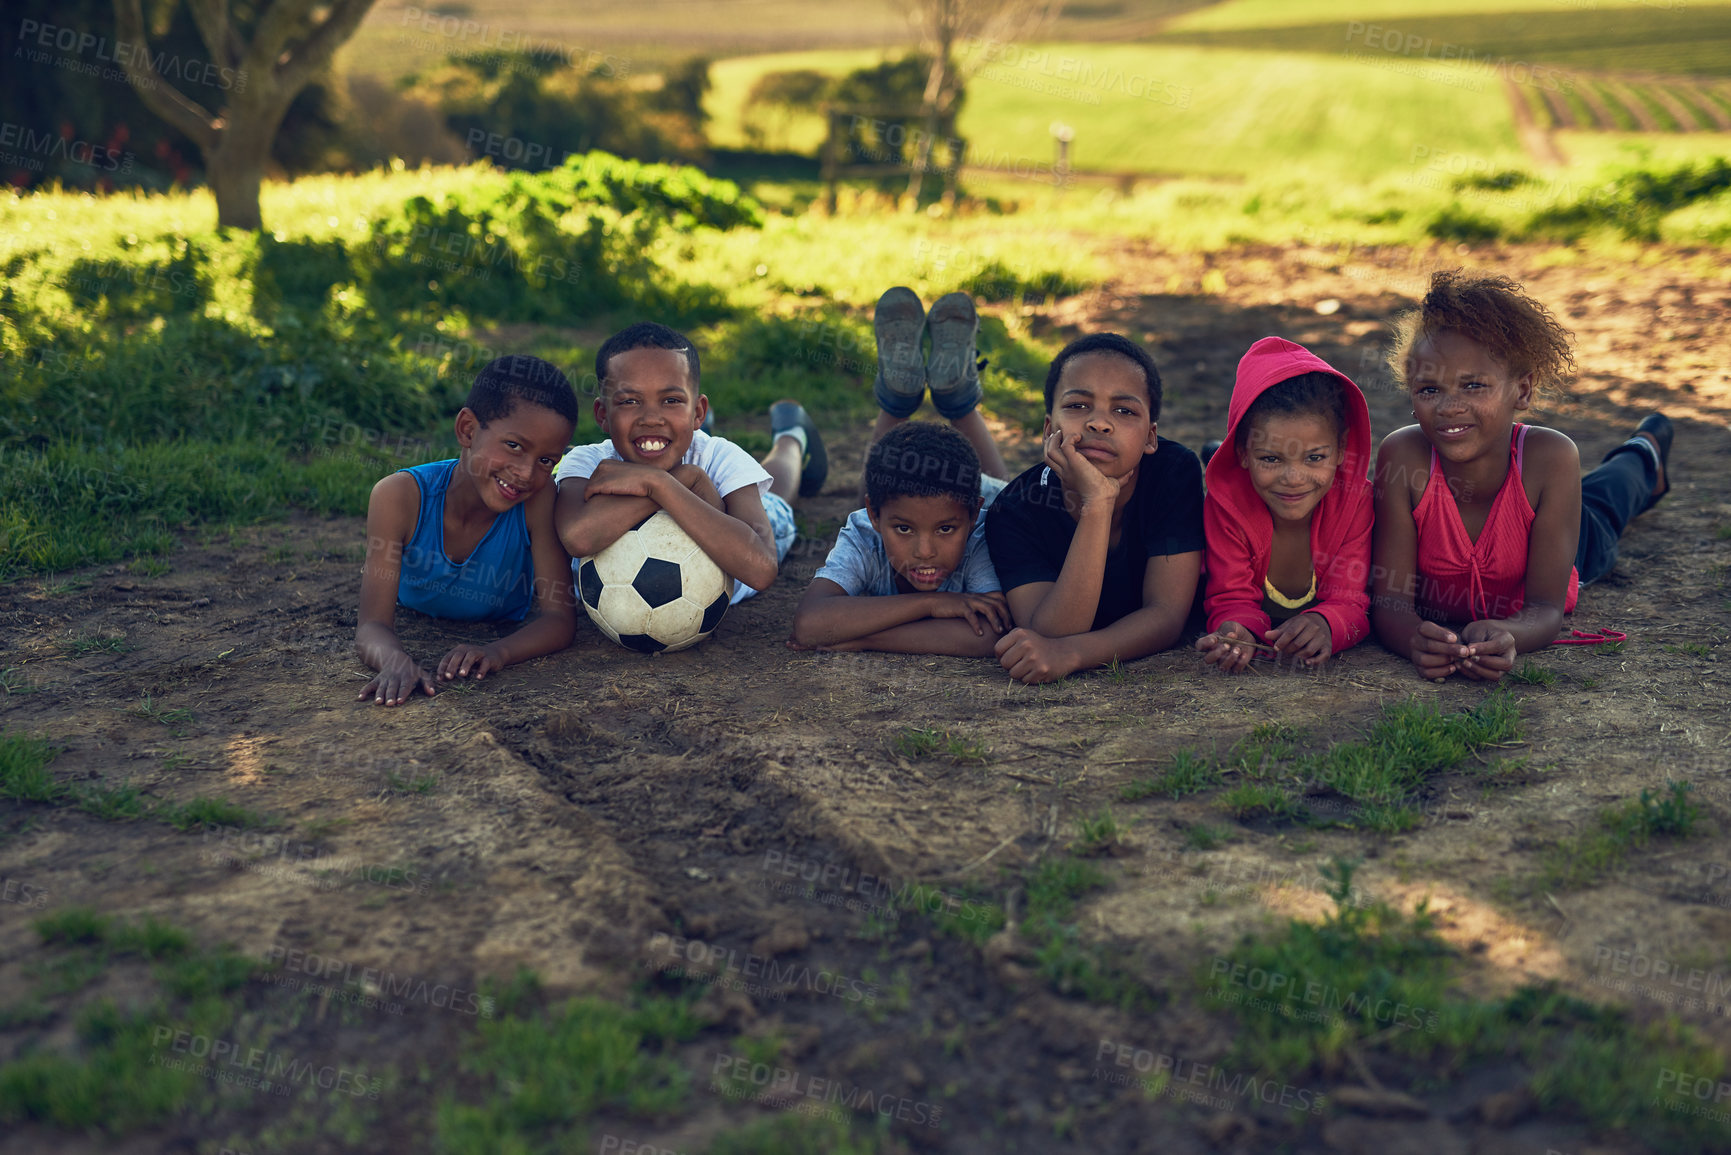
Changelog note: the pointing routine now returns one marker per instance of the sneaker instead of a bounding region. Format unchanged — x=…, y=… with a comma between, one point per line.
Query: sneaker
x=899, y=323
x=784, y=418
x=953, y=324
x=1661, y=429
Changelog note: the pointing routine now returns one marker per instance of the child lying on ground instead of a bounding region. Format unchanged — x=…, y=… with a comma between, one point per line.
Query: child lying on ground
x=910, y=572
x=657, y=457
x=1098, y=549
x=1485, y=529
x=1288, y=512
x=471, y=538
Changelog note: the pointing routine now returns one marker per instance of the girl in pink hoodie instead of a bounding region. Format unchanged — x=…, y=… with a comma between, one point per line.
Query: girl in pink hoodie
x=1288, y=512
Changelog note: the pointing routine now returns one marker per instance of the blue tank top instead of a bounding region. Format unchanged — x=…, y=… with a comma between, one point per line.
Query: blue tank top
x=495, y=582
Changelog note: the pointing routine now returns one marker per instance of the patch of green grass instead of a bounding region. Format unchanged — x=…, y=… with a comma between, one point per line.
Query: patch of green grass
x=1723, y=533
x=148, y=708
x=1410, y=742
x=1249, y=800
x=109, y=1081
x=1202, y=836
x=967, y=913
x=1189, y=773
x=24, y=772
x=541, y=1076
x=149, y=567
x=110, y=803
x=420, y=784
x=1258, y=753
x=96, y=644
x=1618, y=832
x=59, y=587
x=1532, y=674
x=13, y=680
x=917, y=742
x=1096, y=833
x=212, y=812
x=1693, y=649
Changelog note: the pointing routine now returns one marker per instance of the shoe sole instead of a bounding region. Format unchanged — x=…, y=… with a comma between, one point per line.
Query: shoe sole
x=898, y=323
x=954, y=325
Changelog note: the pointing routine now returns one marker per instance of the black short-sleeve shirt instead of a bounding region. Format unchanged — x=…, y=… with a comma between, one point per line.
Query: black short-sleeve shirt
x=1029, y=532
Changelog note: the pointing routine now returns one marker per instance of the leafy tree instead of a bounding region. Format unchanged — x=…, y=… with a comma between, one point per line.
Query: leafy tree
x=259, y=60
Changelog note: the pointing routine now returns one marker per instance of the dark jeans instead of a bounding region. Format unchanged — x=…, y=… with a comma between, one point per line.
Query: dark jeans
x=1611, y=496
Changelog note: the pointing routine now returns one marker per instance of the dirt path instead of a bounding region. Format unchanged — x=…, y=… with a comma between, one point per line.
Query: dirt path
x=566, y=812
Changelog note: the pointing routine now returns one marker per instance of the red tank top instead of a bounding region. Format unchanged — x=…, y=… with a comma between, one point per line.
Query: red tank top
x=1465, y=580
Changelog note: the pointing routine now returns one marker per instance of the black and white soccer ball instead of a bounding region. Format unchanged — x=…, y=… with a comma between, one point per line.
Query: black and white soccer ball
x=654, y=590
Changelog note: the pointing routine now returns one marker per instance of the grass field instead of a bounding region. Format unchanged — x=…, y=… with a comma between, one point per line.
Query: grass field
x=1156, y=109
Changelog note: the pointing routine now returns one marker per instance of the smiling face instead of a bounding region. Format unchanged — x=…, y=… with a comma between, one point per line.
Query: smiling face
x=650, y=407
x=926, y=538
x=1464, y=399
x=1103, y=399
x=512, y=458
x=1291, y=459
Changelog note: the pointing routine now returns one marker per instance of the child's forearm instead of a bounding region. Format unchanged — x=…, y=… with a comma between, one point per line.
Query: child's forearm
x=1535, y=627
x=825, y=621
x=952, y=637
x=545, y=634
x=602, y=520
x=1069, y=606
x=728, y=541
x=1395, y=625
x=376, y=643
x=1135, y=635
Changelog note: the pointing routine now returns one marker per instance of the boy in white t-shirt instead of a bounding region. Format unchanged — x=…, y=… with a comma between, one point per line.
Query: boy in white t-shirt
x=657, y=457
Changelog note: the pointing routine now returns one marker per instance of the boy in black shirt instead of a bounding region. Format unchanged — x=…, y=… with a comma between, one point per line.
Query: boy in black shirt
x=1099, y=549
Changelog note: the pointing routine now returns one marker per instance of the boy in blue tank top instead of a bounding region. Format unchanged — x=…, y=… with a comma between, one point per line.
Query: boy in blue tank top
x=471, y=539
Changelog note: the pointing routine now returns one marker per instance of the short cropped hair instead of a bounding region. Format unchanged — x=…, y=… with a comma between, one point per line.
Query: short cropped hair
x=1309, y=394
x=646, y=335
x=504, y=381
x=922, y=459
x=1494, y=312
x=1107, y=343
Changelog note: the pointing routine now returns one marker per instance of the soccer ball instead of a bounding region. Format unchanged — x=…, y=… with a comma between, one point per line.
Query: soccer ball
x=653, y=590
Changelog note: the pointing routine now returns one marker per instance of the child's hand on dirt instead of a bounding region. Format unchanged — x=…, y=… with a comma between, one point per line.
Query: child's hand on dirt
x=1079, y=475
x=1031, y=658
x=988, y=611
x=1490, y=651
x=625, y=479
x=397, y=681
x=1218, y=648
x=1305, y=638
x=1436, y=651
x=467, y=658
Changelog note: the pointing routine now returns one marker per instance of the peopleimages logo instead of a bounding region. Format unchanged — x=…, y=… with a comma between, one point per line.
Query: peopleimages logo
x=406, y=987
x=754, y=966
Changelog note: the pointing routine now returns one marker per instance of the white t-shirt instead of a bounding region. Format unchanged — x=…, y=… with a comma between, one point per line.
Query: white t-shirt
x=726, y=464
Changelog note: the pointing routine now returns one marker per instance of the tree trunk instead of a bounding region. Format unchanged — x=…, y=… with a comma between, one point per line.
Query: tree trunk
x=235, y=166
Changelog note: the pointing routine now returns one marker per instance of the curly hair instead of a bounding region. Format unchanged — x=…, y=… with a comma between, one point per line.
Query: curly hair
x=1496, y=313
x=922, y=459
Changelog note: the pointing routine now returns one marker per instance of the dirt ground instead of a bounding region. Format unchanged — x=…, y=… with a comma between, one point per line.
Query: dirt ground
x=562, y=814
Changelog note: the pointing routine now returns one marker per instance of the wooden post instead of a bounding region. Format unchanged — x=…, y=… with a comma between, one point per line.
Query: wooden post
x=829, y=159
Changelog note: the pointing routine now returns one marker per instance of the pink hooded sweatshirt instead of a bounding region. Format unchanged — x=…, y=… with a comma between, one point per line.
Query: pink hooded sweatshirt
x=1240, y=528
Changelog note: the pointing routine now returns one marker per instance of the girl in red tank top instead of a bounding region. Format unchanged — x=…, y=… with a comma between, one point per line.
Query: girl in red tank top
x=1481, y=521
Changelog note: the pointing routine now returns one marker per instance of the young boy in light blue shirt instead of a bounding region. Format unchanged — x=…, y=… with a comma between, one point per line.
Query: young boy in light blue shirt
x=910, y=573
